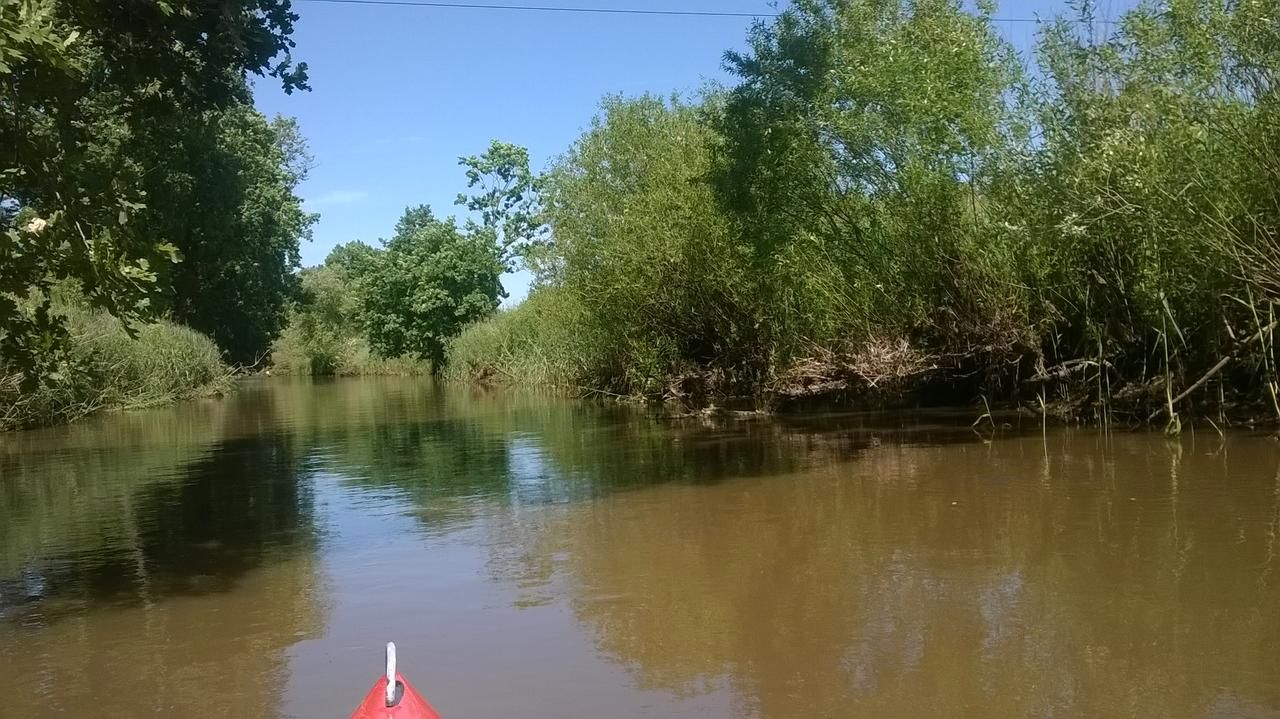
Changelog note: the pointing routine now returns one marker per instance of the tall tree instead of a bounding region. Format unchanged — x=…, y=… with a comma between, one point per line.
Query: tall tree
x=427, y=284
x=86, y=84
x=223, y=192
x=863, y=134
x=508, y=201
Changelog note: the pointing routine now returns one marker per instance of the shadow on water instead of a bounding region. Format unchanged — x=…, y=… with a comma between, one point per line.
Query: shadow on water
x=156, y=563
x=446, y=448
x=103, y=523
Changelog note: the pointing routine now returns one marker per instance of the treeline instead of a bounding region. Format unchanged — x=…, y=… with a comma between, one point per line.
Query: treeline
x=891, y=198
x=140, y=188
x=394, y=309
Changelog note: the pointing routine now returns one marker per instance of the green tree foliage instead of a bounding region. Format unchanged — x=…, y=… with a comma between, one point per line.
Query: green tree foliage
x=88, y=86
x=328, y=310
x=859, y=146
x=350, y=258
x=407, y=301
x=829, y=199
x=326, y=333
x=508, y=200
x=645, y=246
x=324, y=321
x=887, y=196
x=223, y=193
x=428, y=282
x=1153, y=192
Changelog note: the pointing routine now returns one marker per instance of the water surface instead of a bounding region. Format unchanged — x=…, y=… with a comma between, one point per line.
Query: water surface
x=549, y=558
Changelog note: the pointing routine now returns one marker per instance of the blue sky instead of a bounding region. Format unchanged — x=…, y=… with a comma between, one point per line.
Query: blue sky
x=399, y=93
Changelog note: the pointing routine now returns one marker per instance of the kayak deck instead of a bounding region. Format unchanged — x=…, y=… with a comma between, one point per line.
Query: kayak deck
x=398, y=700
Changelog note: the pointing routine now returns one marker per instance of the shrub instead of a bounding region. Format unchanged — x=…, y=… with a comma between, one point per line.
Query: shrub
x=107, y=369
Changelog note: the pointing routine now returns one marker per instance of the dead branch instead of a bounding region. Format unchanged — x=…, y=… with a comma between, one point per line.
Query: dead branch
x=1217, y=368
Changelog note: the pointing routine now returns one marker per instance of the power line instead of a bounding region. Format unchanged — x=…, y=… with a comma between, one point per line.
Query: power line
x=610, y=11
x=548, y=8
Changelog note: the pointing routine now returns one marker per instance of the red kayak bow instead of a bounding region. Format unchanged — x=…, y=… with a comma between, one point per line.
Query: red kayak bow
x=393, y=697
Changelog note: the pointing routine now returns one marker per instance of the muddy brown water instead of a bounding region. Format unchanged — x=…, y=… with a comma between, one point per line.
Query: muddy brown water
x=539, y=557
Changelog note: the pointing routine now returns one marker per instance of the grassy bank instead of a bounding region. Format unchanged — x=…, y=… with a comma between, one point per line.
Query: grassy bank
x=938, y=222
x=539, y=342
x=106, y=369
x=347, y=357
x=325, y=335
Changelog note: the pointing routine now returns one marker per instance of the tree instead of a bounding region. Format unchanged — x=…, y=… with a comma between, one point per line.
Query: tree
x=861, y=140
x=646, y=247
x=427, y=284
x=326, y=316
x=326, y=327
x=350, y=259
x=1153, y=149
x=86, y=85
x=508, y=200
x=223, y=193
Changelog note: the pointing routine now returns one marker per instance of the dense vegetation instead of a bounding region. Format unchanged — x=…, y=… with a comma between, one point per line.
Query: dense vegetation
x=394, y=309
x=136, y=171
x=891, y=198
x=107, y=368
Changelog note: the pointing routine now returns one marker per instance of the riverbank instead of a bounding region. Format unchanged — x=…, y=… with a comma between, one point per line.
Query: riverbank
x=1091, y=230
x=546, y=343
x=345, y=357
x=105, y=369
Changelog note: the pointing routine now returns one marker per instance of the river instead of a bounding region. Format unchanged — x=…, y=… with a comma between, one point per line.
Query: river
x=542, y=557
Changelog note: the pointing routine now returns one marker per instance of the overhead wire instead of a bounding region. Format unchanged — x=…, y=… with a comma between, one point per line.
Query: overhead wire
x=548, y=8
x=606, y=11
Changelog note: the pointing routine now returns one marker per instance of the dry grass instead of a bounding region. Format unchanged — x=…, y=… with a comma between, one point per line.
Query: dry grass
x=877, y=365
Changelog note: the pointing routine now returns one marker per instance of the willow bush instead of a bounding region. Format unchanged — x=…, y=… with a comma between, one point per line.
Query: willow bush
x=1146, y=195
x=889, y=192
x=550, y=340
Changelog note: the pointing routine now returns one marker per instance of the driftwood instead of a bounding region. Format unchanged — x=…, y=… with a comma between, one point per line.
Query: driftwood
x=1062, y=371
x=1226, y=360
